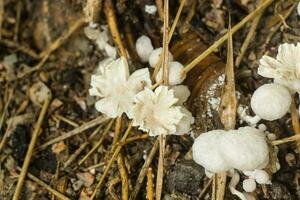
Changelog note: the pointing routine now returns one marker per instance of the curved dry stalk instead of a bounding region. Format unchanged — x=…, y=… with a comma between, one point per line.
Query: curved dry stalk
x=293, y=138
x=124, y=176
x=219, y=42
x=31, y=146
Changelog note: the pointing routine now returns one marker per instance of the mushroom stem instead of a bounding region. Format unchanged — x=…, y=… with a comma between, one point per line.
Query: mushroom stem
x=233, y=183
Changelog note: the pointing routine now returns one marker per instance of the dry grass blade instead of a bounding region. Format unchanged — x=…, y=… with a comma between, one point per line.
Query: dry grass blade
x=219, y=42
x=80, y=129
x=144, y=170
x=124, y=176
x=112, y=23
x=4, y=112
x=111, y=161
x=293, y=138
x=29, y=153
x=249, y=37
x=160, y=167
x=227, y=111
x=205, y=189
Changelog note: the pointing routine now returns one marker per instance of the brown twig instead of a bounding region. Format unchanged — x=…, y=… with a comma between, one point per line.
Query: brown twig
x=80, y=129
x=219, y=42
x=112, y=23
x=124, y=176
x=111, y=161
x=187, y=22
x=31, y=146
x=149, y=184
x=295, y=120
x=160, y=9
x=111, y=186
x=160, y=167
x=249, y=37
x=144, y=170
x=100, y=141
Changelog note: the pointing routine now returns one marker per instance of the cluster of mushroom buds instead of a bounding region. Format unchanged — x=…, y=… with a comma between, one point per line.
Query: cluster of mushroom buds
x=159, y=111
x=244, y=149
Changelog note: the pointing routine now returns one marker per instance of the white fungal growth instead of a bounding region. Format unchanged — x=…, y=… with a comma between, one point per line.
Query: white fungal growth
x=261, y=176
x=206, y=152
x=271, y=101
x=154, y=57
x=249, y=185
x=285, y=69
x=156, y=112
x=175, y=76
x=144, y=47
x=298, y=8
x=150, y=9
x=117, y=88
x=182, y=93
x=184, y=124
x=244, y=149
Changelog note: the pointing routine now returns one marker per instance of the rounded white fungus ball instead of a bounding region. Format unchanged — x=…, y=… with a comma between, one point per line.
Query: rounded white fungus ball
x=261, y=176
x=144, y=47
x=271, y=101
x=154, y=56
x=182, y=93
x=244, y=149
x=206, y=154
x=175, y=76
x=249, y=185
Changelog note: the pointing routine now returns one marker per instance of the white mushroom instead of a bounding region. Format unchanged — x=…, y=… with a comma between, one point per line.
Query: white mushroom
x=271, y=101
x=244, y=149
x=175, y=76
x=206, y=154
x=143, y=47
x=154, y=57
x=261, y=176
x=182, y=93
x=249, y=185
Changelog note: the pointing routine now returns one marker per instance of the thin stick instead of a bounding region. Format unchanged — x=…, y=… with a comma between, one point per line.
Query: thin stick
x=47, y=187
x=66, y=120
x=166, y=43
x=4, y=112
x=160, y=9
x=160, y=170
x=286, y=140
x=124, y=176
x=81, y=148
x=104, y=134
x=149, y=184
x=158, y=65
x=205, y=189
x=112, y=23
x=219, y=42
x=144, y=170
x=295, y=120
x=30, y=149
x=111, y=161
x=80, y=129
x=249, y=37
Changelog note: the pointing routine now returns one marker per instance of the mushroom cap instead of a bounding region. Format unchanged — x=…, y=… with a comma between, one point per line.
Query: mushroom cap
x=175, y=76
x=271, y=101
x=144, y=47
x=154, y=56
x=249, y=185
x=244, y=149
x=206, y=154
x=261, y=176
x=182, y=93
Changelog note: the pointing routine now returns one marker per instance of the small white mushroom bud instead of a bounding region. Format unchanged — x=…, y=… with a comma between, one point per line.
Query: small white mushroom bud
x=249, y=185
x=144, y=47
x=182, y=93
x=154, y=57
x=271, y=101
x=261, y=176
x=175, y=76
x=206, y=154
